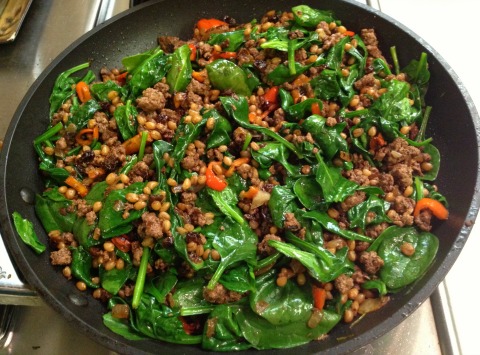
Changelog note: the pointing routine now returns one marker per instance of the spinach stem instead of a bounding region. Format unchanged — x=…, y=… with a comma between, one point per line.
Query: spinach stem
x=267, y=261
x=291, y=57
x=421, y=132
x=396, y=65
x=48, y=134
x=143, y=142
x=248, y=139
x=140, y=282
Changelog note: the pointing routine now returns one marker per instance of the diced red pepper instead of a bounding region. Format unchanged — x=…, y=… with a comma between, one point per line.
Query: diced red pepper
x=213, y=181
x=205, y=24
x=319, y=297
x=83, y=91
x=122, y=243
x=435, y=206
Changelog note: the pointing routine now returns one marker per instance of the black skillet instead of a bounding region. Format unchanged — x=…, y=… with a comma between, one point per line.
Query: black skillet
x=453, y=126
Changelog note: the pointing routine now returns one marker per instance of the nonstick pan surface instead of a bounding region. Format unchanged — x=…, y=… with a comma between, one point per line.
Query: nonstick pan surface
x=453, y=126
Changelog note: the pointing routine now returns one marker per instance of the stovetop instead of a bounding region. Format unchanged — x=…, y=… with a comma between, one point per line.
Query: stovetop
x=439, y=326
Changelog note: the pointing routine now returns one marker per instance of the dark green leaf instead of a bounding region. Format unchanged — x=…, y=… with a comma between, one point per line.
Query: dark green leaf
x=221, y=131
x=435, y=161
x=328, y=138
x=51, y=208
x=64, y=87
x=264, y=335
x=358, y=214
x=226, y=335
x=309, y=192
x=334, y=186
x=237, y=108
x=308, y=17
x=282, y=200
x=240, y=279
x=331, y=225
x=121, y=327
x=111, y=221
x=399, y=269
x=226, y=75
x=81, y=266
x=101, y=90
x=126, y=118
x=26, y=232
x=180, y=73
x=148, y=73
x=113, y=280
x=235, y=242
x=233, y=39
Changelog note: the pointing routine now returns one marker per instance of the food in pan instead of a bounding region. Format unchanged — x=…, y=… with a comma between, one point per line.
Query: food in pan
x=250, y=187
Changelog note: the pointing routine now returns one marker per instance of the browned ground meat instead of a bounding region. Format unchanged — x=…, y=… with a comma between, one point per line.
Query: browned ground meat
x=371, y=261
x=152, y=100
x=137, y=251
x=140, y=172
x=263, y=246
x=423, y=220
x=220, y=295
x=61, y=257
x=169, y=43
x=291, y=223
x=371, y=42
x=403, y=204
x=343, y=283
x=151, y=226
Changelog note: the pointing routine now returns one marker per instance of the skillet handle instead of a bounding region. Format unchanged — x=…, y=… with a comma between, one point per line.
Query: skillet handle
x=375, y=4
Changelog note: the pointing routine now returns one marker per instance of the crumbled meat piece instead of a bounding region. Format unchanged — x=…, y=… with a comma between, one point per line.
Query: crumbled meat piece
x=263, y=246
x=107, y=128
x=151, y=226
x=403, y=204
x=371, y=261
x=365, y=81
x=343, y=283
x=137, y=251
x=61, y=257
x=91, y=217
x=192, y=162
x=198, y=88
x=375, y=230
x=169, y=43
x=423, y=220
x=220, y=295
x=386, y=182
x=197, y=217
x=291, y=223
x=115, y=158
x=140, y=172
x=151, y=100
x=359, y=276
x=371, y=42
x=402, y=175
x=188, y=197
x=400, y=219
x=82, y=207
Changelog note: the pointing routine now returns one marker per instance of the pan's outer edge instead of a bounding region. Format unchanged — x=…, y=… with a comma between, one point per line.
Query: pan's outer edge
x=349, y=345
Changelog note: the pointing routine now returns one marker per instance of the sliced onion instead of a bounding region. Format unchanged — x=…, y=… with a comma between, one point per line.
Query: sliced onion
x=373, y=304
x=120, y=311
x=261, y=198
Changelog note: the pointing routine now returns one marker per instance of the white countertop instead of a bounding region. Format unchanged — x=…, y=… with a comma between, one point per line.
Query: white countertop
x=451, y=28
